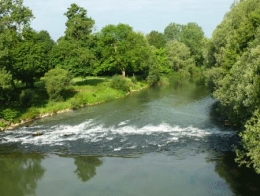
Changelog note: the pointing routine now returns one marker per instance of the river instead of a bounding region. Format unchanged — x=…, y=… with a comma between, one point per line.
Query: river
x=160, y=141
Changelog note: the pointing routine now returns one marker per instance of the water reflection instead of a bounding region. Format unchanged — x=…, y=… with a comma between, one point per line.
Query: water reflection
x=86, y=167
x=20, y=173
x=241, y=180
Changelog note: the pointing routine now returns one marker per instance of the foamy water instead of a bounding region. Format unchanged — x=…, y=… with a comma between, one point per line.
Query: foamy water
x=113, y=139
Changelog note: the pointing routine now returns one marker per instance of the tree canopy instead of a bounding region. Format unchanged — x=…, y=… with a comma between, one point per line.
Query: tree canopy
x=233, y=59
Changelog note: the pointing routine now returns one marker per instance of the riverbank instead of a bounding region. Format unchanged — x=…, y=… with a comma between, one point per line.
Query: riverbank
x=83, y=93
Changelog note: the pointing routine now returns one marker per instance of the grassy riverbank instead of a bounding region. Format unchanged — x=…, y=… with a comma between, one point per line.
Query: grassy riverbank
x=83, y=92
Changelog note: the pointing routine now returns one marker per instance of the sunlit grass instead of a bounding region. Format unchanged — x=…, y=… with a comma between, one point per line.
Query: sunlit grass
x=83, y=92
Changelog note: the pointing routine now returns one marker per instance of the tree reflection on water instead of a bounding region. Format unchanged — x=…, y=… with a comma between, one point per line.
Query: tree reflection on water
x=241, y=180
x=86, y=167
x=20, y=173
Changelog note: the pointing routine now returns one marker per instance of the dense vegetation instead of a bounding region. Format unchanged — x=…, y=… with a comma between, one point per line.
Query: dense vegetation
x=37, y=73
x=233, y=62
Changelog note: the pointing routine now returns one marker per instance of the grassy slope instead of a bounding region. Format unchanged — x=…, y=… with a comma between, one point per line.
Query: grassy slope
x=83, y=92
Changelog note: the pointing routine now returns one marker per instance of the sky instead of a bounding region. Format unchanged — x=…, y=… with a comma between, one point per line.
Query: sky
x=143, y=15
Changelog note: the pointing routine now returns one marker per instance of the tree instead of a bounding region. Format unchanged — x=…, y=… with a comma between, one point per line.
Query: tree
x=193, y=37
x=31, y=56
x=14, y=17
x=161, y=60
x=79, y=25
x=156, y=39
x=56, y=82
x=5, y=86
x=122, y=49
x=179, y=56
x=173, y=32
x=73, y=52
x=250, y=156
x=234, y=54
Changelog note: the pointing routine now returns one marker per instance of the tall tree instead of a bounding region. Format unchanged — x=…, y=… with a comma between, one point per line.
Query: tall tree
x=14, y=17
x=192, y=36
x=122, y=49
x=233, y=54
x=173, y=32
x=156, y=39
x=179, y=56
x=31, y=56
x=73, y=52
x=79, y=25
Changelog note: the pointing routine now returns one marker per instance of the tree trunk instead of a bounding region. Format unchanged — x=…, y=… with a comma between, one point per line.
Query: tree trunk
x=123, y=72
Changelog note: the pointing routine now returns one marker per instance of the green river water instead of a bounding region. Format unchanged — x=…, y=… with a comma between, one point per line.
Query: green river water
x=157, y=142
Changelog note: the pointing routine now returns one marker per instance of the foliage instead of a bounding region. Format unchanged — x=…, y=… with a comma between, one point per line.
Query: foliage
x=73, y=52
x=120, y=49
x=9, y=114
x=79, y=25
x=156, y=39
x=250, y=156
x=14, y=17
x=31, y=113
x=173, y=32
x=5, y=85
x=26, y=97
x=179, y=56
x=233, y=61
x=154, y=75
x=56, y=82
x=31, y=56
x=191, y=35
x=120, y=83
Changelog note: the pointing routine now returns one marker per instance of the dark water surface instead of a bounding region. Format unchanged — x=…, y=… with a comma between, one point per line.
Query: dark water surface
x=161, y=141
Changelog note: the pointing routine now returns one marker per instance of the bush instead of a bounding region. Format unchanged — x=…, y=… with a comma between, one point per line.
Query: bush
x=120, y=83
x=154, y=76
x=57, y=81
x=134, y=80
x=9, y=114
x=26, y=98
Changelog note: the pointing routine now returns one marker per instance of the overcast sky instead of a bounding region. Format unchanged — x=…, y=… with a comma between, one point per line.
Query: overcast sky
x=142, y=15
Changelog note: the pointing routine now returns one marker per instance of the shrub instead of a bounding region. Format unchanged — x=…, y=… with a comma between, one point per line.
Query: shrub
x=120, y=83
x=154, y=76
x=26, y=98
x=9, y=114
x=56, y=82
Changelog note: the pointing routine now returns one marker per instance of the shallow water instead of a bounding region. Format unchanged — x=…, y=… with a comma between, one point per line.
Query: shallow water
x=158, y=141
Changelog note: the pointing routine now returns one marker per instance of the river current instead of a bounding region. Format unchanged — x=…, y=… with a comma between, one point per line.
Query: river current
x=160, y=141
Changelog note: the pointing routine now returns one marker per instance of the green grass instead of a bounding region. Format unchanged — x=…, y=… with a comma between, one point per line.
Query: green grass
x=83, y=92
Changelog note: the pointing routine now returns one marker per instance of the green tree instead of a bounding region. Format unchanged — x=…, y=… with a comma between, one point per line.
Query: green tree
x=73, y=52
x=233, y=56
x=156, y=39
x=56, y=82
x=192, y=36
x=161, y=60
x=14, y=17
x=250, y=156
x=122, y=49
x=31, y=56
x=5, y=86
x=179, y=56
x=173, y=32
x=79, y=25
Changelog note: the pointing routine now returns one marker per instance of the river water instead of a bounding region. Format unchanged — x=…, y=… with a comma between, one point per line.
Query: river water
x=160, y=141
